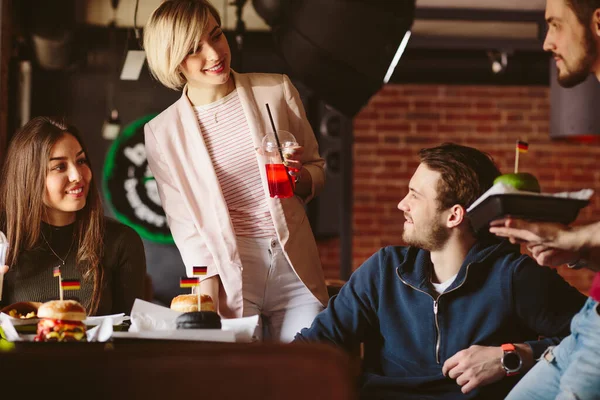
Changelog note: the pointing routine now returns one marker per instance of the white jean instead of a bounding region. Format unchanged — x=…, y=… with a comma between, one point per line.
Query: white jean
x=272, y=290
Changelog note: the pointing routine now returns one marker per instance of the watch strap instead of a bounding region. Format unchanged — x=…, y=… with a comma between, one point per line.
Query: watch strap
x=508, y=347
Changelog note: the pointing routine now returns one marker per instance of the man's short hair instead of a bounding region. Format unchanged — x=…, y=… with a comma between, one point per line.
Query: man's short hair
x=584, y=10
x=466, y=173
x=172, y=32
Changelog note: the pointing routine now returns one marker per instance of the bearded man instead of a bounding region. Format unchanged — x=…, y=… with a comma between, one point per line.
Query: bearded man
x=572, y=369
x=456, y=314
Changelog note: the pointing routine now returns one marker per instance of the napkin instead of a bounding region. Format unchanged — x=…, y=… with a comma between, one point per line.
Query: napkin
x=503, y=188
x=149, y=317
x=101, y=332
x=115, y=319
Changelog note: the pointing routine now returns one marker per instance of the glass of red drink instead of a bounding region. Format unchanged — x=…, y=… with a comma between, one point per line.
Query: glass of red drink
x=281, y=183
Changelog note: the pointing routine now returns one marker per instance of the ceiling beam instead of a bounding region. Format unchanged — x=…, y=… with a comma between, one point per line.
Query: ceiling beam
x=480, y=42
x=473, y=43
x=478, y=14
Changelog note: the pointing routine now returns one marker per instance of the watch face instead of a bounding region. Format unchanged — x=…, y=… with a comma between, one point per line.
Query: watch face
x=511, y=361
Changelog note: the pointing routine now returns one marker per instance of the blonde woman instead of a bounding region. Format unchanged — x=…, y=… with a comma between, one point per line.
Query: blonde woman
x=260, y=251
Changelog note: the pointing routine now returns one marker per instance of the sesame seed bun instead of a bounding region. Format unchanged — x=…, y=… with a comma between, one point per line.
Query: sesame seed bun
x=66, y=310
x=189, y=303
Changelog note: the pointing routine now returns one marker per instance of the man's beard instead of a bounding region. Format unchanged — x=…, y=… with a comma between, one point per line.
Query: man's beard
x=583, y=68
x=433, y=239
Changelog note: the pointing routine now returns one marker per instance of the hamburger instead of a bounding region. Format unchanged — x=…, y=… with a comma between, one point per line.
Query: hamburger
x=61, y=321
x=189, y=303
x=192, y=318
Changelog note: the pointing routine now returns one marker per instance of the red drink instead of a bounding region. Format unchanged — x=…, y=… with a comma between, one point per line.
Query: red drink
x=279, y=182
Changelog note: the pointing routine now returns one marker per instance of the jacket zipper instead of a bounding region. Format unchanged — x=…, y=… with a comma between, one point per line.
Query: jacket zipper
x=435, y=309
x=437, y=328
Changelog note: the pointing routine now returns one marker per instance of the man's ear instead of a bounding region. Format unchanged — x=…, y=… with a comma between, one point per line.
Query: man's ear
x=596, y=22
x=456, y=215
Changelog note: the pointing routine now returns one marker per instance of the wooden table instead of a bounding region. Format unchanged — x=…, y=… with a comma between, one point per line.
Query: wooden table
x=156, y=369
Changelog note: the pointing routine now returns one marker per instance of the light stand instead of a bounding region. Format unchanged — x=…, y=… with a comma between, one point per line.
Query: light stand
x=240, y=31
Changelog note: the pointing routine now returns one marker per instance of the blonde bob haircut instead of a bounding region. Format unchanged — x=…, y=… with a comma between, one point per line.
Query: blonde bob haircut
x=172, y=32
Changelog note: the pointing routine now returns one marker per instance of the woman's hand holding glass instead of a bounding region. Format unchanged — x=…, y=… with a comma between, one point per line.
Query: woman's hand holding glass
x=292, y=154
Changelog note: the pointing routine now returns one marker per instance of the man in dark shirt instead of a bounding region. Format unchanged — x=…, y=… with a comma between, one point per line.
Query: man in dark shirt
x=572, y=369
x=455, y=315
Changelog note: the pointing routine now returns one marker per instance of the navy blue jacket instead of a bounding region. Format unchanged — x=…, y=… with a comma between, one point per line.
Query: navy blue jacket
x=499, y=296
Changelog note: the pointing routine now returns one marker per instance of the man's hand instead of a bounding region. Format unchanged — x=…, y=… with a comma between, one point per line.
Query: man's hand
x=550, y=257
x=553, y=244
x=474, y=367
x=520, y=231
x=3, y=269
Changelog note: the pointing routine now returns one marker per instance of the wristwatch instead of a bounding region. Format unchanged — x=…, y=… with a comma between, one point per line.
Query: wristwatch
x=511, y=360
x=579, y=264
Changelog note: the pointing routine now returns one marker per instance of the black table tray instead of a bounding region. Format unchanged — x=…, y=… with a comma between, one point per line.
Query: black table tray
x=530, y=207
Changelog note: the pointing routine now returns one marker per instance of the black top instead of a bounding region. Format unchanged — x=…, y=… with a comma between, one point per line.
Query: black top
x=124, y=264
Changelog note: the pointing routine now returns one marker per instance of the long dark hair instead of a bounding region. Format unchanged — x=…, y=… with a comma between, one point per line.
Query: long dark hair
x=22, y=188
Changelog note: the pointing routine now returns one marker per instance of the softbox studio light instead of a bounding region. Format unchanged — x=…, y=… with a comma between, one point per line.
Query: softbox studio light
x=341, y=49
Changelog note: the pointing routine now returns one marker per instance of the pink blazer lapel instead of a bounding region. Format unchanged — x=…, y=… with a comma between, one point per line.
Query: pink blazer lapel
x=258, y=121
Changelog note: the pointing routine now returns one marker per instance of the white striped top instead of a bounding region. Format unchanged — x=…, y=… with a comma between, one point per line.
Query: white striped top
x=231, y=148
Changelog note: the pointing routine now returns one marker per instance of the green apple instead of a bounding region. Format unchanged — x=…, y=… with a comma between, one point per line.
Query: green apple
x=520, y=181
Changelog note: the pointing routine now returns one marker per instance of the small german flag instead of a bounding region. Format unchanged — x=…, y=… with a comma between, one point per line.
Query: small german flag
x=56, y=271
x=186, y=282
x=200, y=271
x=70, y=284
x=522, y=146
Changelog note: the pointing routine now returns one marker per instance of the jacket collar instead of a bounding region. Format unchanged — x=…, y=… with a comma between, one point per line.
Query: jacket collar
x=254, y=117
x=416, y=267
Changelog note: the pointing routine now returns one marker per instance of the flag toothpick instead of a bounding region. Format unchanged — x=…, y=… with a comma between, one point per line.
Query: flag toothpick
x=56, y=273
x=186, y=282
x=199, y=271
x=68, y=284
x=71, y=284
x=522, y=147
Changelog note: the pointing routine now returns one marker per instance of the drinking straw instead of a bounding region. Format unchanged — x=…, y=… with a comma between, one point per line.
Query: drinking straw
x=287, y=172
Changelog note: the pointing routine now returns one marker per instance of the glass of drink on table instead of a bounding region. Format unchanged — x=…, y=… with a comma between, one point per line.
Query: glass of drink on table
x=281, y=183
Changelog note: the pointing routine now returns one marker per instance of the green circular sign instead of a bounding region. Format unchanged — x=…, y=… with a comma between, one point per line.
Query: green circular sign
x=129, y=187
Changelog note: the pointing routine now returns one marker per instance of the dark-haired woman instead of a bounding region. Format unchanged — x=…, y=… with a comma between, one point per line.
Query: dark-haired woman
x=52, y=215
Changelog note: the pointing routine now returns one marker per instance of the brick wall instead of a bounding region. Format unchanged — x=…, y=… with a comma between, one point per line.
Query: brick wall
x=401, y=119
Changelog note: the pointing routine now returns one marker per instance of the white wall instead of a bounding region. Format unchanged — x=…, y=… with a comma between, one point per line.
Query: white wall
x=99, y=12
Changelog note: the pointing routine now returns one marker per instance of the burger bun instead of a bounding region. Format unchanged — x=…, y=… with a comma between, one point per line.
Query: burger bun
x=189, y=303
x=65, y=310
